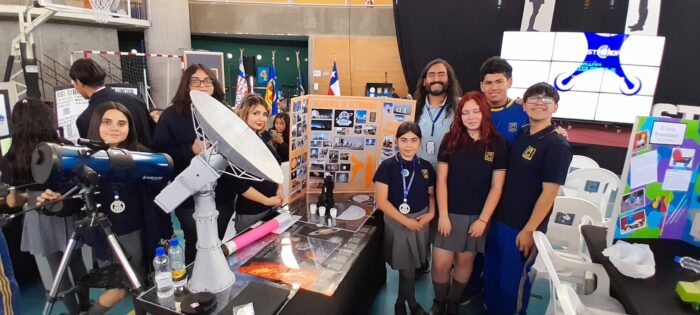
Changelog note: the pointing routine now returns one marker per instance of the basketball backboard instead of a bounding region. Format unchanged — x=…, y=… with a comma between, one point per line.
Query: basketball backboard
x=117, y=8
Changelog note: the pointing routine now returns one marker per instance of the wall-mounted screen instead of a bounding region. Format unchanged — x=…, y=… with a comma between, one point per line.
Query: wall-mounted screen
x=600, y=77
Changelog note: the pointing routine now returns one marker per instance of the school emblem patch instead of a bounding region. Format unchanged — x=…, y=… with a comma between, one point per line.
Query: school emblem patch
x=488, y=156
x=426, y=175
x=529, y=153
x=512, y=126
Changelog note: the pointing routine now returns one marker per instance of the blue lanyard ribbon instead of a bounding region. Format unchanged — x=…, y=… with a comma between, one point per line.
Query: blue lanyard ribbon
x=435, y=119
x=403, y=178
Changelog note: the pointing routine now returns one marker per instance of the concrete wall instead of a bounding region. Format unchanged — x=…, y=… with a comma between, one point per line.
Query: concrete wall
x=57, y=41
x=236, y=19
x=169, y=34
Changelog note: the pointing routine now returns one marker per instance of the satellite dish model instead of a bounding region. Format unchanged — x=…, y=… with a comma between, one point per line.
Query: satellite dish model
x=228, y=141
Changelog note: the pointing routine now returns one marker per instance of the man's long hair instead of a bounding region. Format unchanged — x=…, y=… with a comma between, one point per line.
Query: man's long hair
x=453, y=90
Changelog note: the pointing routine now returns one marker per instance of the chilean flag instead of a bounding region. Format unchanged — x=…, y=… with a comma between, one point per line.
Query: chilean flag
x=334, y=87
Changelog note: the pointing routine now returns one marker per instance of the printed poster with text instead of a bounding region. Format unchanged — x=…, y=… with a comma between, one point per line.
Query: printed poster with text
x=661, y=196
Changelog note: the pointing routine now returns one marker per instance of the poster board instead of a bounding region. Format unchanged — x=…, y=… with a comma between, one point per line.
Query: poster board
x=661, y=191
x=345, y=136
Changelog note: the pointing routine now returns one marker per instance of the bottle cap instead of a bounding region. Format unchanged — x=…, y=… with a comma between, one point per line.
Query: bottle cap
x=160, y=251
x=174, y=241
x=677, y=259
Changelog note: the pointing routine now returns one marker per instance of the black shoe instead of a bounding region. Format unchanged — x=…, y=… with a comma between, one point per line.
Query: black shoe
x=438, y=308
x=400, y=309
x=452, y=308
x=417, y=310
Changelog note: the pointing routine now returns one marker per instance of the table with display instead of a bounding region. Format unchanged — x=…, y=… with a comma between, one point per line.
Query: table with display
x=654, y=295
x=364, y=273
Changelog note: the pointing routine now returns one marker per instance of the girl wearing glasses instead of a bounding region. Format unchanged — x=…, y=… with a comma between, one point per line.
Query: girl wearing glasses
x=471, y=170
x=175, y=135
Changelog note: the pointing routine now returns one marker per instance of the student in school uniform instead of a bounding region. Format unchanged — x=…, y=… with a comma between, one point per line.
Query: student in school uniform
x=471, y=170
x=404, y=188
x=538, y=162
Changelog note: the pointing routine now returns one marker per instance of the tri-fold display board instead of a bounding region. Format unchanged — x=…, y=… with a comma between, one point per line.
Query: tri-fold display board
x=345, y=137
x=661, y=191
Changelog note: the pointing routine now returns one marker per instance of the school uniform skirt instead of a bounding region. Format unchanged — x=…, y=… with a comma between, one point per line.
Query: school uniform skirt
x=459, y=240
x=403, y=248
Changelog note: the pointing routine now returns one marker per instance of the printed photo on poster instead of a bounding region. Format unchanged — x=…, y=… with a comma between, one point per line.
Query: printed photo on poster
x=353, y=143
x=332, y=167
x=345, y=167
x=344, y=118
x=370, y=130
x=320, y=135
x=358, y=130
x=389, y=108
x=643, y=17
x=321, y=125
x=313, y=153
x=342, y=131
x=633, y=221
x=344, y=156
x=360, y=116
x=682, y=157
x=370, y=142
x=4, y=114
x=633, y=200
x=641, y=141
x=316, y=165
x=321, y=114
x=333, y=156
x=372, y=117
x=388, y=142
x=342, y=178
x=403, y=109
x=537, y=16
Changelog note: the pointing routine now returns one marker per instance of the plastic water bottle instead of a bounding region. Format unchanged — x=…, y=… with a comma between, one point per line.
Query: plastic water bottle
x=177, y=263
x=688, y=263
x=164, y=279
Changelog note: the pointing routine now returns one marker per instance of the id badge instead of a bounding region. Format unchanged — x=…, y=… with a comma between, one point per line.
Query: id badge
x=430, y=147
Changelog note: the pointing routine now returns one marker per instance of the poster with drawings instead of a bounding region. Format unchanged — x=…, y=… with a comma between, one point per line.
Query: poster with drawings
x=661, y=192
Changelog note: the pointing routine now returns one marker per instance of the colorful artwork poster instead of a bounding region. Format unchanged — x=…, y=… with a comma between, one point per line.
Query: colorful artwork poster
x=668, y=207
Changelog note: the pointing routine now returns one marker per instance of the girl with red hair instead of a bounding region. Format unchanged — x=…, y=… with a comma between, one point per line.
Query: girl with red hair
x=471, y=171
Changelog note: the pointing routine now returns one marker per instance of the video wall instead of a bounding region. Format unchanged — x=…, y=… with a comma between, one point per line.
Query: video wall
x=600, y=77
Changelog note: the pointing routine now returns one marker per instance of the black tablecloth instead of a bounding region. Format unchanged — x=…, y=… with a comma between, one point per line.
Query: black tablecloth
x=655, y=295
x=354, y=295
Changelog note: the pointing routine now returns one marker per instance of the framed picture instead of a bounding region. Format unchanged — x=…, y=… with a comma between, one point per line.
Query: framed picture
x=4, y=114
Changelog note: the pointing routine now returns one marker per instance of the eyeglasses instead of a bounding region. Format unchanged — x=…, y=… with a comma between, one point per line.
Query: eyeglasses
x=198, y=82
x=544, y=99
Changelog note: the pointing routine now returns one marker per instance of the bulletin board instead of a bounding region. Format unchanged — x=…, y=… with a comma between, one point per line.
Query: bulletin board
x=345, y=136
x=661, y=193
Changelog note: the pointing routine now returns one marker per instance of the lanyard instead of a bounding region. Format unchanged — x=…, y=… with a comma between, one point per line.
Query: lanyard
x=435, y=119
x=403, y=178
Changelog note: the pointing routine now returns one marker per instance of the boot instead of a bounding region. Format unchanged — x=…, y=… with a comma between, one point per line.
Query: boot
x=438, y=308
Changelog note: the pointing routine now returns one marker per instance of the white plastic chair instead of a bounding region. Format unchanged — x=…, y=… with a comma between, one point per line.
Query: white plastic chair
x=596, y=185
x=571, y=303
x=564, y=228
x=598, y=299
x=582, y=161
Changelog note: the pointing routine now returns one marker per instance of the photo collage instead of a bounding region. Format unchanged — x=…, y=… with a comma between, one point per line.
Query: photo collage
x=336, y=135
x=298, y=164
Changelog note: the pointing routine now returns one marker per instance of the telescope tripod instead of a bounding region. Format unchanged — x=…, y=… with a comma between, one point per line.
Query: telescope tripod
x=92, y=221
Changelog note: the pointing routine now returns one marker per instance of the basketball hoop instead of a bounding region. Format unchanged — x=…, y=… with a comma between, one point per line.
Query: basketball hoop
x=102, y=9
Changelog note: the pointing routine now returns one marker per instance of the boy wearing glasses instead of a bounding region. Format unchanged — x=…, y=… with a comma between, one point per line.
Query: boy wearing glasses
x=538, y=164
x=88, y=78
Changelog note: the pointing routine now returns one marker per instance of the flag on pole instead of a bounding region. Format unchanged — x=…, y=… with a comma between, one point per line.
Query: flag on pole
x=242, y=84
x=334, y=86
x=272, y=95
x=300, y=80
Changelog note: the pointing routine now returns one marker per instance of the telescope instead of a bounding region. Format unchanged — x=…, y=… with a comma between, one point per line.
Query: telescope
x=55, y=164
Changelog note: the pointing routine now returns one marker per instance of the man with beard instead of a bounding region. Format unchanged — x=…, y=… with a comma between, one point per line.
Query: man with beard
x=437, y=94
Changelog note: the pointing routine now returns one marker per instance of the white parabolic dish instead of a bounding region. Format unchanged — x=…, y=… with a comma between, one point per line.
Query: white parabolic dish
x=234, y=139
